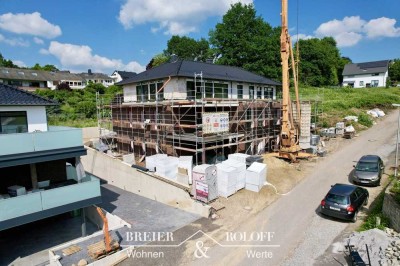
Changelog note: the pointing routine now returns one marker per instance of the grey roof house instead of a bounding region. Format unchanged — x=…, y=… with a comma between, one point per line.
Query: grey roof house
x=368, y=74
x=219, y=81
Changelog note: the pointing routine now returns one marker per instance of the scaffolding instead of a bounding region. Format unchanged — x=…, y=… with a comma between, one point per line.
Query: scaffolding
x=175, y=123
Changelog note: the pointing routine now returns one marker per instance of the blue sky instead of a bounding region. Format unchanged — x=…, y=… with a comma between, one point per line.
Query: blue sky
x=105, y=35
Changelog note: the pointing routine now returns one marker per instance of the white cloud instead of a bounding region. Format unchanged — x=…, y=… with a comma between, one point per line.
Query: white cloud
x=32, y=24
x=301, y=36
x=38, y=40
x=19, y=63
x=172, y=16
x=14, y=41
x=381, y=27
x=351, y=30
x=44, y=51
x=80, y=58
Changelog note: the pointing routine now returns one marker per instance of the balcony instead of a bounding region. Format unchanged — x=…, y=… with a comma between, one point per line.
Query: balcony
x=53, y=139
x=38, y=205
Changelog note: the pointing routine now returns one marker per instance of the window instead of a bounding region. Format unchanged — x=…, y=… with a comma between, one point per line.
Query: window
x=34, y=74
x=21, y=73
x=361, y=83
x=251, y=92
x=13, y=122
x=375, y=74
x=221, y=90
x=268, y=93
x=199, y=90
x=259, y=92
x=374, y=83
x=190, y=90
x=209, y=90
x=5, y=71
x=160, y=93
x=152, y=92
x=139, y=93
x=240, y=91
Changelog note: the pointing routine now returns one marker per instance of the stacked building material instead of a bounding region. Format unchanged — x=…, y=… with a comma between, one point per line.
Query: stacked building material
x=151, y=161
x=185, y=166
x=167, y=167
x=339, y=128
x=256, y=176
x=240, y=172
x=226, y=180
x=240, y=157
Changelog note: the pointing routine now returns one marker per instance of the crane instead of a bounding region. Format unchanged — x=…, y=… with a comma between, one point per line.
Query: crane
x=289, y=142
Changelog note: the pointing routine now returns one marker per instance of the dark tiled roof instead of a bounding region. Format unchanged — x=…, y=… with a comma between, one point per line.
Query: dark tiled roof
x=126, y=74
x=91, y=76
x=13, y=96
x=37, y=75
x=366, y=68
x=183, y=68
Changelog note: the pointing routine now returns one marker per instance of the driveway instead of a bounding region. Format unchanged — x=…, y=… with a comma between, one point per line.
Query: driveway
x=300, y=234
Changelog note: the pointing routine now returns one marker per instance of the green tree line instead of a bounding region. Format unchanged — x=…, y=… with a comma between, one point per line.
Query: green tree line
x=77, y=105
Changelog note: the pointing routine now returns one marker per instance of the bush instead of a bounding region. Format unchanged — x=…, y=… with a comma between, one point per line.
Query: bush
x=396, y=190
x=376, y=211
x=365, y=120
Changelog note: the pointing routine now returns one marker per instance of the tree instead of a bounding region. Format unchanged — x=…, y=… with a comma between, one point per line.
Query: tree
x=188, y=48
x=342, y=62
x=7, y=63
x=157, y=60
x=64, y=86
x=245, y=40
x=394, y=71
x=45, y=68
x=319, y=62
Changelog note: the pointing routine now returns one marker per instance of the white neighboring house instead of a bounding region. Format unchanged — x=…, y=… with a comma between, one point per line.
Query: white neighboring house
x=365, y=75
x=119, y=75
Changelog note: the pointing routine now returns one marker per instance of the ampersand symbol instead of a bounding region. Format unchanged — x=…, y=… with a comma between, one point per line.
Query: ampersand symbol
x=199, y=252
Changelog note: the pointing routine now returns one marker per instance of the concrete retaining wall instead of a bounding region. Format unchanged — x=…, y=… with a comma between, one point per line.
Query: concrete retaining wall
x=123, y=176
x=90, y=133
x=391, y=209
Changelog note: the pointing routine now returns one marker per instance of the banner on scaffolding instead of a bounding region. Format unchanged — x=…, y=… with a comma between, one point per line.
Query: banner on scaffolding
x=215, y=123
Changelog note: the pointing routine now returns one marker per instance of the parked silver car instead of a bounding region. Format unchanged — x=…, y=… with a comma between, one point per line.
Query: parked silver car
x=369, y=170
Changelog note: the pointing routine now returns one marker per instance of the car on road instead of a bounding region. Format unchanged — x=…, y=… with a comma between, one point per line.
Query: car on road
x=368, y=170
x=344, y=201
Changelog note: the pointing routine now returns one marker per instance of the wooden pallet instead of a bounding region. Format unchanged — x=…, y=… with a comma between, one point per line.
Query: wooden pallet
x=98, y=250
x=71, y=250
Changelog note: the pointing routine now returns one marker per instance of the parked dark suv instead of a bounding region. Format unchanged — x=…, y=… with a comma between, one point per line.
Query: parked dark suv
x=369, y=170
x=344, y=201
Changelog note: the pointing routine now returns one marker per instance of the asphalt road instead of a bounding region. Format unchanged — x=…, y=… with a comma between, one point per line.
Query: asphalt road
x=300, y=235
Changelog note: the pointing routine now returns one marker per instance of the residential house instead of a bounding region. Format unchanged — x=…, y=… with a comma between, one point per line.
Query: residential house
x=97, y=78
x=197, y=109
x=368, y=74
x=31, y=80
x=118, y=75
x=40, y=170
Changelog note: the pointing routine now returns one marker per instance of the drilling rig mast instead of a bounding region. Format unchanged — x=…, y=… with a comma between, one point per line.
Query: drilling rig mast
x=289, y=147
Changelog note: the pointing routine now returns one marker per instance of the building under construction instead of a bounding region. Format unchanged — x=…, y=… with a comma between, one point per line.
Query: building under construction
x=197, y=109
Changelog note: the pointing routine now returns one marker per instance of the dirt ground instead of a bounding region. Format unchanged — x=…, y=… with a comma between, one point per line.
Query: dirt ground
x=281, y=174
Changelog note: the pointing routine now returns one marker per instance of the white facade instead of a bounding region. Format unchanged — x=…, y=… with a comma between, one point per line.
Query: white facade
x=366, y=80
x=177, y=89
x=116, y=77
x=36, y=116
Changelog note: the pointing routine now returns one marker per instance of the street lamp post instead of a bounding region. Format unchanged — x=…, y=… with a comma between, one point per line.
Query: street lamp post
x=397, y=141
